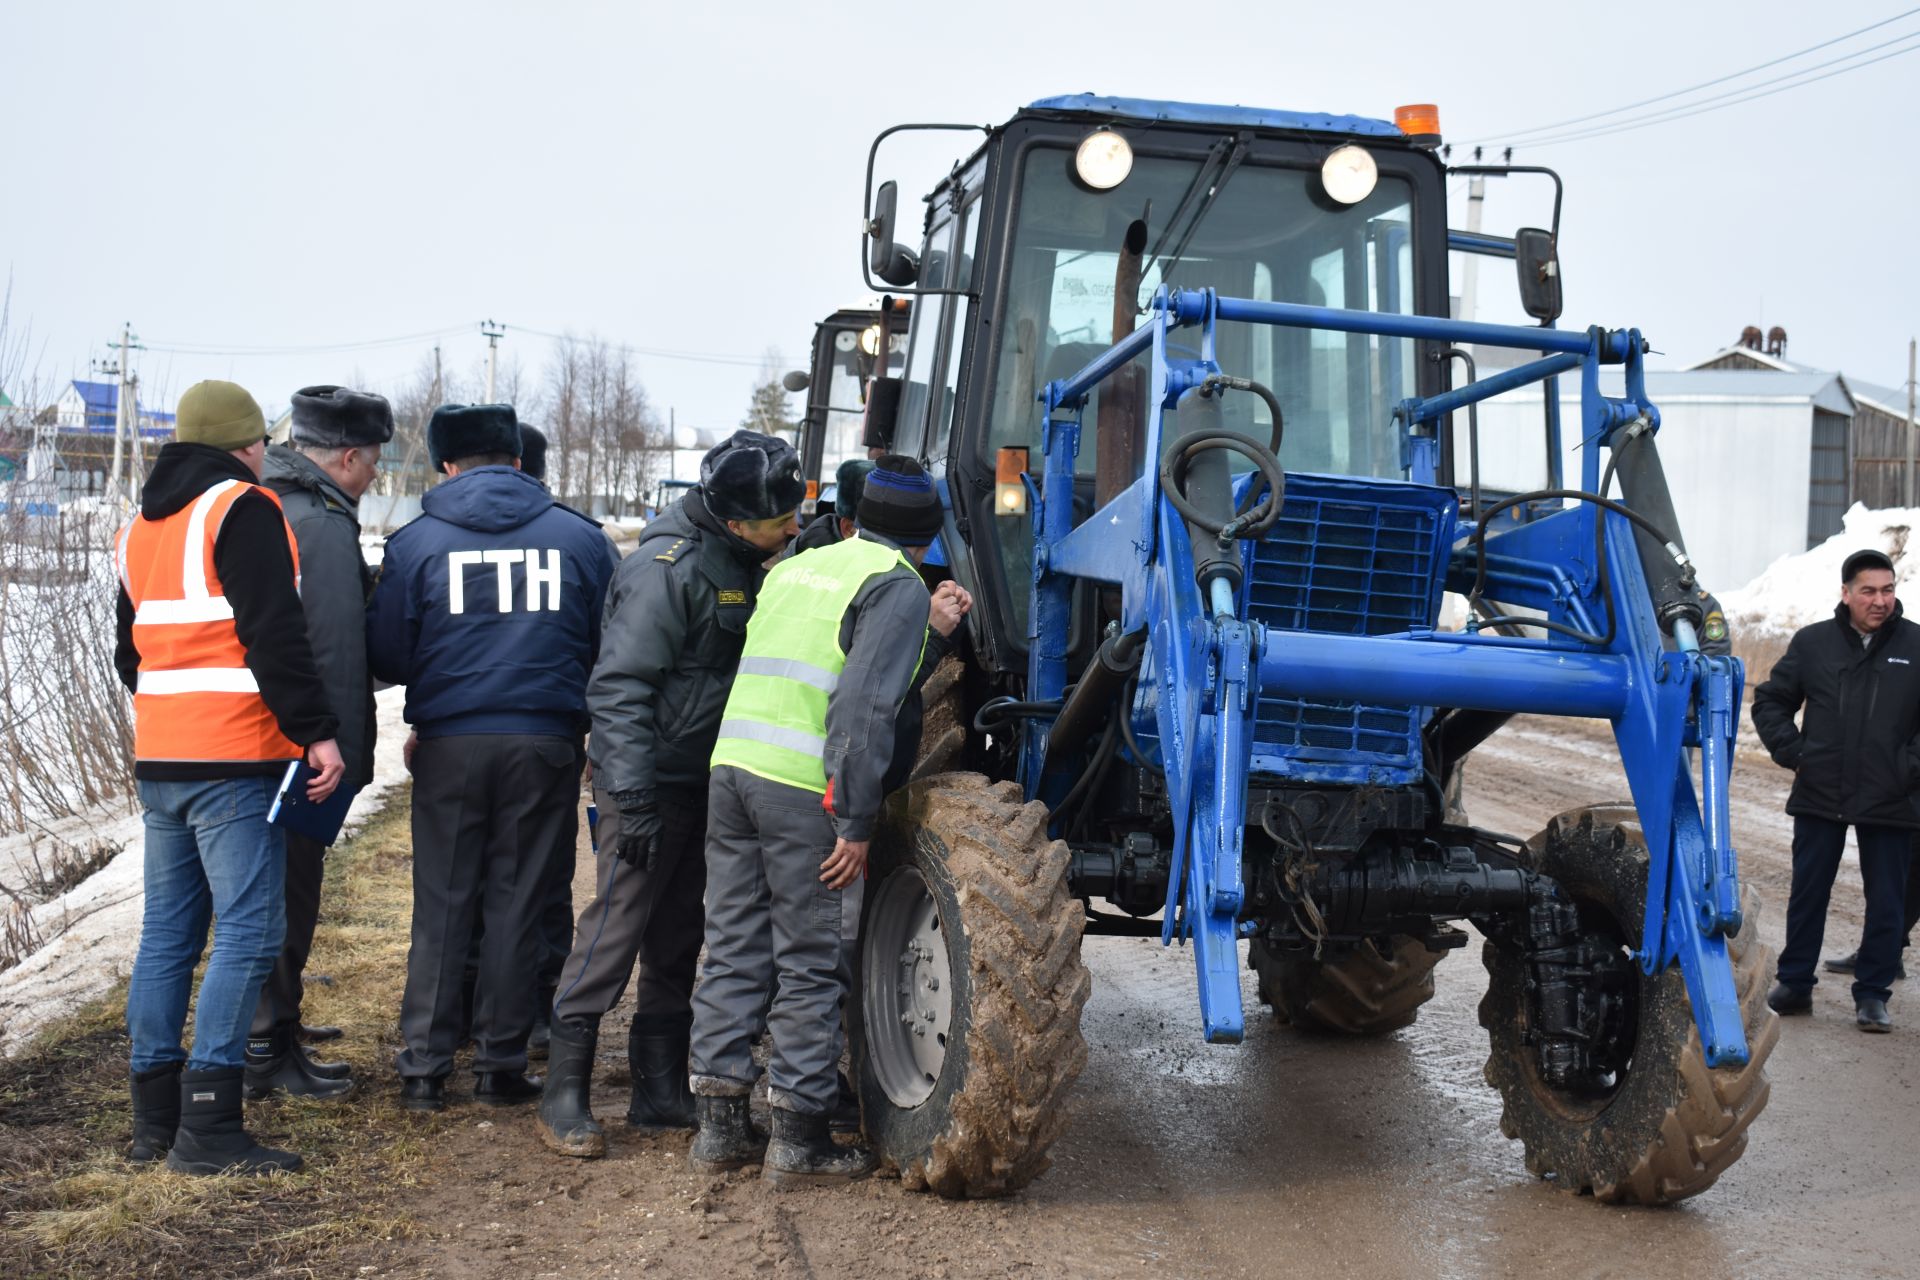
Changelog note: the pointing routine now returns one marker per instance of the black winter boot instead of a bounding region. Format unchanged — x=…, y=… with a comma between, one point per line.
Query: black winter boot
x=156, y=1112
x=657, y=1057
x=275, y=1064
x=566, y=1112
x=727, y=1138
x=845, y=1117
x=804, y=1152
x=212, y=1137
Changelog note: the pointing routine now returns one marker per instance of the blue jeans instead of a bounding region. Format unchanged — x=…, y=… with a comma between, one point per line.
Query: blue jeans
x=210, y=856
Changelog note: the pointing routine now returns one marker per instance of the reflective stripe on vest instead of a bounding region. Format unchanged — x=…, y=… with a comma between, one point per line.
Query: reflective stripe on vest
x=775, y=724
x=195, y=698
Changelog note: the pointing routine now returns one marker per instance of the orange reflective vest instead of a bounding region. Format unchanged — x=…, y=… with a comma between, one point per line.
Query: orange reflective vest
x=196, y=700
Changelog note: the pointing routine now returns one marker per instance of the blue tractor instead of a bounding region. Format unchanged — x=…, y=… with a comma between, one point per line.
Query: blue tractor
x=1210, y=450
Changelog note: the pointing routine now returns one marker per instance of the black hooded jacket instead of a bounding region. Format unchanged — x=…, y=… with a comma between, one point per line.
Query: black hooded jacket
x=256, y=571
x=1856, y=751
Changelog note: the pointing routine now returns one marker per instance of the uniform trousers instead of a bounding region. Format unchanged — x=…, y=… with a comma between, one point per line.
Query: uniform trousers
x=772, y=926
x=1884, y=855
x=281, y=993
x=487, y=809
x=650, y=915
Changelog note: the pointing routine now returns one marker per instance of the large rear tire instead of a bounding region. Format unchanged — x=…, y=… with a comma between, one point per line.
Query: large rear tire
x=944, y=724
x=1367, y=992
x=1665, y=1126
x=966, y=1024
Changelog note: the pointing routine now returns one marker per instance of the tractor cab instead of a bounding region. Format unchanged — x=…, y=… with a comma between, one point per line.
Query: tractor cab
x=1046, y=246
x=845, y=361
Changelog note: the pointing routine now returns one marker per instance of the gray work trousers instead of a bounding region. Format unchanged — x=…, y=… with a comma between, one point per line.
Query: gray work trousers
x=772, y=926
x=487, y=809
x=647, y=914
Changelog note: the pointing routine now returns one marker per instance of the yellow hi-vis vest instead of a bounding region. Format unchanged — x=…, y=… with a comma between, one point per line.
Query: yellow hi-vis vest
x=775, y=724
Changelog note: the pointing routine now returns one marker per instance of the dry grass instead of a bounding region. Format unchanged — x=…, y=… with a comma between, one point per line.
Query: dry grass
x=71, y=1206
x=1759, y=651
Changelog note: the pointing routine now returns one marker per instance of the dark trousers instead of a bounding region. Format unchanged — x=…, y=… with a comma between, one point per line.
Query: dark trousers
x=649, y=915
x=1884, y=855
x=487, y=809
x=279, y=1007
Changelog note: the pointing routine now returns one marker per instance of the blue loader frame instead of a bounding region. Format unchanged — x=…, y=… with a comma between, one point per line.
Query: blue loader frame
x=1208, y=663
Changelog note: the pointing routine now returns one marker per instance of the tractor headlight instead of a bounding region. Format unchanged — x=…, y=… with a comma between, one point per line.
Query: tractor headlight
x=1103, y=160
x=1349, y=174
x=870, y=339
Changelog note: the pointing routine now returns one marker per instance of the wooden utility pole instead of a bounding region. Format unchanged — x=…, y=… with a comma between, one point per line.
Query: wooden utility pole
x=1911, y=348
x=494, y=333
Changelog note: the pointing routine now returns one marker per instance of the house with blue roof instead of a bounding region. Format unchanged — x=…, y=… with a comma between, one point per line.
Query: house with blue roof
x=93, y=408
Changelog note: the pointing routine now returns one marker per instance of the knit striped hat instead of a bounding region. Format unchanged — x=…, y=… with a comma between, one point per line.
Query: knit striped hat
x=899, y=502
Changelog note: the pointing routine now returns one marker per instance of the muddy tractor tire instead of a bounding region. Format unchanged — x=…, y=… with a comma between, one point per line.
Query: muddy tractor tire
x=944, y=722
x=966, y=1016
x=1367, y=992
x=1664, y=1126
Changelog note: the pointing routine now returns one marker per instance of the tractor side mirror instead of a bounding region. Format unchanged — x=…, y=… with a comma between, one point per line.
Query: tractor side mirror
x=891, y=262
x=797, y=380
x=883, y=412
x=1537, y=261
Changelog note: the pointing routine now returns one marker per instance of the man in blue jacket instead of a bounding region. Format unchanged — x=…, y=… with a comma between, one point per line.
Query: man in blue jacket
x=488, y=610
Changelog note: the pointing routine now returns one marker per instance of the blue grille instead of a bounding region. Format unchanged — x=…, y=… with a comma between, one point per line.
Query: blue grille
x=1348, y=557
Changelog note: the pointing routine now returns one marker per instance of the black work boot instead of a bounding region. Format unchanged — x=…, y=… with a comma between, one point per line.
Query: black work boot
x=275, y=1064
x=1788, y=1000
x=727, y=1138
x=804, y=1152
x=325, y=1070
x=212, y=1138
x=566, y=1112
x=845, y=1117
x=657, y=1057
x=156, y=1112
x=505, y=1088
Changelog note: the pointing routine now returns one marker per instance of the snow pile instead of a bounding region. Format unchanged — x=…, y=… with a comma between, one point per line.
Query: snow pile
x=95, y=926
x=1797, y=591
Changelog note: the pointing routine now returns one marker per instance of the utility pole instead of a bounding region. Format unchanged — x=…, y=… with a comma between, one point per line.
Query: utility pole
x=109, y=369
x=494, y=333
x=1912, y=347
x=126, y=417
x=1470, y=263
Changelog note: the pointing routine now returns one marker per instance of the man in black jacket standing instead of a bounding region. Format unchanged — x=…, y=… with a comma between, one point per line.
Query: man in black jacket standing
x=676, y=618
x=337, y=434
x=1856, y=762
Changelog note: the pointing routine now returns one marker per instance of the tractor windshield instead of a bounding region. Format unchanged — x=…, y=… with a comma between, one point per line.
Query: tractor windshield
x=1267, y=232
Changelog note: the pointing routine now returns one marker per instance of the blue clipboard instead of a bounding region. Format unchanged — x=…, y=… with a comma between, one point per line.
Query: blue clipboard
x=320, y=822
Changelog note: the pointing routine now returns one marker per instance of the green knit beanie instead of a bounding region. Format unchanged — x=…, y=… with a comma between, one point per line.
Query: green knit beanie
x=220, y=414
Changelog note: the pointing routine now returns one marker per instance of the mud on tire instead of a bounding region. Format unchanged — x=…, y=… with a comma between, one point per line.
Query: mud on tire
x=1672, y=1125
x=943, y=726
x=1368, y=992
x=1011, y=938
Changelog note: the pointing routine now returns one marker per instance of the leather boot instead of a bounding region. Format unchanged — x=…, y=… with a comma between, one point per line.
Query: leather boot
x=566, y=1113
x=803, y=1152
x=657, y=1057
x=156, y=1111
x=325, y=1070
x=276, y=1064
x=212, y=1137
x=727, y=1138
x=845, y=1117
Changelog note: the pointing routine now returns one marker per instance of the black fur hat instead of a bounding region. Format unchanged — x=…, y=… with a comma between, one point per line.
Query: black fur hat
x=468, y=430
x=533, y=451
x=750, y=476
x=332, y=417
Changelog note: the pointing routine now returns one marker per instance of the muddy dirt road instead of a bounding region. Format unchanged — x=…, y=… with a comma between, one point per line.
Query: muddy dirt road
x=1286, y=1155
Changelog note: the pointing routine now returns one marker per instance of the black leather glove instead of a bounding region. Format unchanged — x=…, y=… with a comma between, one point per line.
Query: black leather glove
x=639, y=838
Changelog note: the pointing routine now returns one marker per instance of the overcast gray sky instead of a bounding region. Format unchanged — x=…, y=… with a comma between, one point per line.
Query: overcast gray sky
x=264, y=175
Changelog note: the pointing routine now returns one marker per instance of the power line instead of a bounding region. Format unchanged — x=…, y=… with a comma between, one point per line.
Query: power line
x=1711, y=105
x=659, y=353
x=324, y=348
x=1705, y=84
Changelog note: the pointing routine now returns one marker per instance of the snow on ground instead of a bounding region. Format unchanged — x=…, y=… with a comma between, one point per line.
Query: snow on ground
x=1797, y=591
x=95, y=927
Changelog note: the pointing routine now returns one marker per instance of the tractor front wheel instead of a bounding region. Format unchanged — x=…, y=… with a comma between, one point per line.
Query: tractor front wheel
x=966, y=1024
x=1655, y=1124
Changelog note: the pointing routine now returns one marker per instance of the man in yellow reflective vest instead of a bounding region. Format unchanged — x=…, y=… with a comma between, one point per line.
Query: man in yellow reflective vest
x=836, y=639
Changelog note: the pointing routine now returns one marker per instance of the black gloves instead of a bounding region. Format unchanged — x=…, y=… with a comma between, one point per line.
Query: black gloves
x=639, y=836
